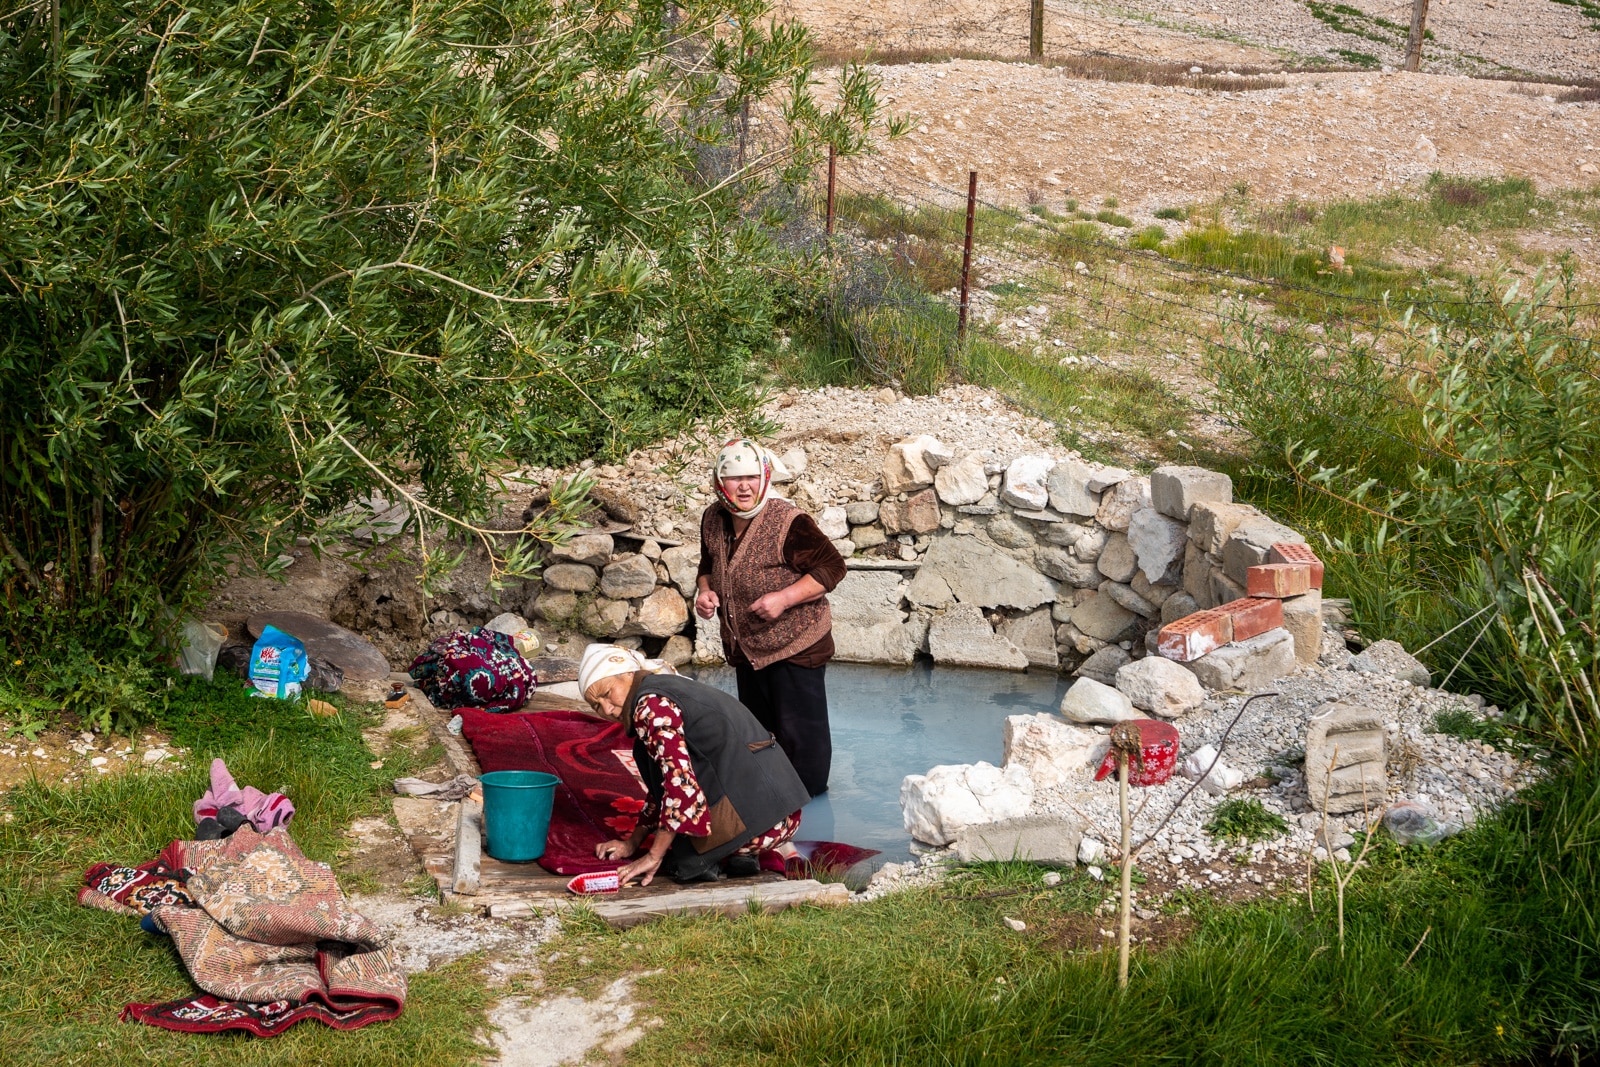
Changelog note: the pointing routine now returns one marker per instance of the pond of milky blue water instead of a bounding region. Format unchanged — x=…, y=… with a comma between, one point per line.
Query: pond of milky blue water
x=889, y=722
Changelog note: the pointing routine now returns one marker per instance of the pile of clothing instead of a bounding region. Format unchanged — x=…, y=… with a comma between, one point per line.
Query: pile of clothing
x=264, y=932
x=477, y=668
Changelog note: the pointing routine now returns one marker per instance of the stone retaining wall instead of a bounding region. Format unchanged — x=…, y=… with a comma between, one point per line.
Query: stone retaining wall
x=1043, y=563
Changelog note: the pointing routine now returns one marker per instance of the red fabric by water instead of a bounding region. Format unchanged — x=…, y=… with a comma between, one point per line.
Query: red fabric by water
x=600, y=795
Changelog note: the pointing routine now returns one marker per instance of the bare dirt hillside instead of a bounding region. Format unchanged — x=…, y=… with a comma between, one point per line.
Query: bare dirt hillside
x=1039, y=133
x=1545, y=37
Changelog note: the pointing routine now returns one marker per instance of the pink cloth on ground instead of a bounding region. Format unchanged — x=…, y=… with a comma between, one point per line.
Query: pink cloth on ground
x=264, y=810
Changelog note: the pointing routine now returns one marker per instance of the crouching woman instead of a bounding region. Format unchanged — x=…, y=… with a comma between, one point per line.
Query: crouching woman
x=720, y=790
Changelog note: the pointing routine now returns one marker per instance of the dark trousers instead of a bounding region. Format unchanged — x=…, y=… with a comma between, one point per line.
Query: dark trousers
x=792, y=702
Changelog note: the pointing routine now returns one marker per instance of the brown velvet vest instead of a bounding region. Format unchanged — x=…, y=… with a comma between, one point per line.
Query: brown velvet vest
x=741, y=576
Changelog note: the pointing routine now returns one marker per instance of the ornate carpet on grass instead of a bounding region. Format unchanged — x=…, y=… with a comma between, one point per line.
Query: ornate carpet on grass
x=601, y=793
x=266, y=935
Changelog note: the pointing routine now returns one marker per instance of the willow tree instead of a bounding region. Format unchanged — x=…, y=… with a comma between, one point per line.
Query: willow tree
x=260, y=257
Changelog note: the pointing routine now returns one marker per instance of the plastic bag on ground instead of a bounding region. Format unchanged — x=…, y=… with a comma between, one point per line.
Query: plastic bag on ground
x=201, y=643
x=1413, y=824
x=278, y=664
x=1220, y=778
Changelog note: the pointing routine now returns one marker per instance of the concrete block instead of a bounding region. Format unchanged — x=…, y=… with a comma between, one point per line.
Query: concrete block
x=1302, y=617
x=1345, y=758
x=962, y=637
x=1247, y=665
x=1211, y=523
x=1040, y=838
x=1174, y=490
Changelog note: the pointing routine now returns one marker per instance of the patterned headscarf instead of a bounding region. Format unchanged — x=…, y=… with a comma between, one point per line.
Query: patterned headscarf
x=743, y=458
x=605, y=661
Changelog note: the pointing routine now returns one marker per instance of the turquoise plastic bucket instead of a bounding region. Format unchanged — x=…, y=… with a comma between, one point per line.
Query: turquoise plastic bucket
x=516, y=813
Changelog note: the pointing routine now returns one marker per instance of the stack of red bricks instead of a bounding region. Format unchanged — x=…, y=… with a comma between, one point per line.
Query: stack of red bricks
x=1291, y=570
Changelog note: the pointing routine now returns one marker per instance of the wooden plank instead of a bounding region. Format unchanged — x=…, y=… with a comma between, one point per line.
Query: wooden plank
x=469, y=848
x=623, y=910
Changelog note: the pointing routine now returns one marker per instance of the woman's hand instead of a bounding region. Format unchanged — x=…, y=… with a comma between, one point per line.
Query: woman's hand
x=771, y=606
x=706, y=603
x=614, y=849
x=644, y=868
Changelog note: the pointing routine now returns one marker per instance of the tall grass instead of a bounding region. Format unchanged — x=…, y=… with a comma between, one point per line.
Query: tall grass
x=1455, y=475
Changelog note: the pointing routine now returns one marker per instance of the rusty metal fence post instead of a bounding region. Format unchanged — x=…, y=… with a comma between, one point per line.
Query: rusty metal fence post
x=966, y=255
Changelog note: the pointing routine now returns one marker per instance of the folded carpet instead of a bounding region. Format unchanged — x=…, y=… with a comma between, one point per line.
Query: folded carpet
x=264, y=932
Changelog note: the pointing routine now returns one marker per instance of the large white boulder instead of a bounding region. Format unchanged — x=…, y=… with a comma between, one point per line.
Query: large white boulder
x=962, y=483
x=1158, y=543
x=1214, y=776
x=1053, y=752
x=1026, y=482
x=906, y=469
x=1090, y=701
x=936, y=806
x=1161, y=686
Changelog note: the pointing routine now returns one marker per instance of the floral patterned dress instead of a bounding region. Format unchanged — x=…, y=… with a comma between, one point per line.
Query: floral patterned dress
x=682, y=807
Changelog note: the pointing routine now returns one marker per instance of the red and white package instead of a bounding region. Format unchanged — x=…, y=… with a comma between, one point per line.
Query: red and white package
x=595, y=882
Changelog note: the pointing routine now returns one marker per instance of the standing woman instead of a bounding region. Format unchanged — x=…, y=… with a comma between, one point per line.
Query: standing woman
x=766, y=569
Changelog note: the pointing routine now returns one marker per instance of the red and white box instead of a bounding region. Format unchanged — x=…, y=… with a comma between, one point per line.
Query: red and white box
x=1253, y=616
x=1189, y=638
x=1278, y=581
x=1289, y=552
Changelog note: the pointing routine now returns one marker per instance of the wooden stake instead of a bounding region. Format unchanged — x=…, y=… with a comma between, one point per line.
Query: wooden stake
x=966, y=255
x=1036, y=30
x=832, y=160
x=1419, y=27
x=1125, y=908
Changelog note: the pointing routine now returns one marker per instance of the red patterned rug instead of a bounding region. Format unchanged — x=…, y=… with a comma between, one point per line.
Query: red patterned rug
x=601, y=793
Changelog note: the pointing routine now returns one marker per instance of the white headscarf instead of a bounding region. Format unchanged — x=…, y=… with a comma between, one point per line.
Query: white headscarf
x=743, y=458
x=605, y=661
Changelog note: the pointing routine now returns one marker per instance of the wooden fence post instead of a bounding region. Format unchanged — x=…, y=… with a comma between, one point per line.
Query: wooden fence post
x=1036, y=30
x=1419, y=29
x=966, y=255
x=832, y=161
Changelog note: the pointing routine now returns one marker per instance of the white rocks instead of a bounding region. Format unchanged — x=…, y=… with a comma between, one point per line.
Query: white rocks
x=1102, y=666
x=868, y=623
x=1035, y=634
x=573, y=577
x=1247, y=546
x=972, y=572
x=1051, y=751
x=154, y=755
x=936, y=454
x=1158, y=685
x=589, y=549
x=708, y=640
x=1252, y=664
x=1158, y=543
x=1025, y=482
x=962, y=483
x=627, y=577
x=1214, y=776
x=1039, y=838
x=1117, y=560
x=1061, y=565
x=834, y=523
x=905, y=470
x=661, y=614
x=1090, y=701
x=1068, y=485
x=683, y=566
x=938, y=805
x=962, y=637
x=1346, y=759
x=1389, y=657
x=1174, y=490
x=1090, y=851
x=1104, y=619
x=507, y=622
x=1118, y=505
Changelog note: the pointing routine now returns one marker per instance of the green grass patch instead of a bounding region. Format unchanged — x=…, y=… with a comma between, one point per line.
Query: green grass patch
x=1245, y=819
x=1464, y=724
x=935, y=976
x=66, y=971
x=1111, y=218
x=1176, y=214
